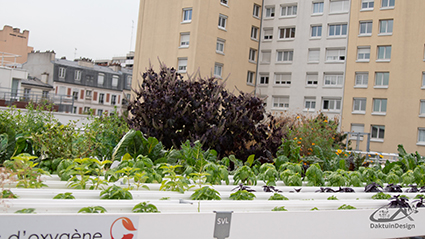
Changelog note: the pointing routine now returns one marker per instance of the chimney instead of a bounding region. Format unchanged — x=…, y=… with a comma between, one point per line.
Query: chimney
x=115, y=67
x=45, y=77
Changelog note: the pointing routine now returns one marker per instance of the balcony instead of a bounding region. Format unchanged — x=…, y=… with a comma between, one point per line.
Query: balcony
x=60, y=103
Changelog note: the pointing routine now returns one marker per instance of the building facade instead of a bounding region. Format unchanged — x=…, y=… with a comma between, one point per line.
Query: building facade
x=81, y=84
x=217, y=38
x=13, y=46
x=303, y=56
x=385, y=76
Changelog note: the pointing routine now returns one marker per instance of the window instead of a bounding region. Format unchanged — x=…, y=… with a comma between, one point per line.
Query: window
x=367, y=4
x=317, y=7
x=332, y=79
x=339, y=6
x=45, y=94
x=62, y=72
x=285, y=56
x=313, y=55
x=363, y=54
x=387, y=3
x=74, y=109
x=378, y=132
x=264, y=78
x=335, y=55
x=128, y=82
x=382, y=79
x=27, y=93
x=184, y=39
x=256, y=11
x=337, y=30
x=86, y=110
x=288, y=10
x=287, y=33
x=312, y=79
x=281, y=102
x=101, y=98
x=218, y=69
x=254, y=33
x=270, y=12
x=250, y=78
x=77, y=76
x=316, y=31
x=386, y=27
x=62, y=90
x=187, y=14
x=266, y=57
x=379, y=105
x=309, y=104
x=282, y=78
x=361, y=79
x=99, y=112
x=75, y=95
x=220, y=46
x=268, y=34
x=422, y=108
x=224, y=2
x=357, y=128
x=384, y=53
x=331, y=104
x=222, y=20
x=115, y=80
x=252, y=55
x=423, y=80
x=100, y=79
x=366, y=28
x=113, y=99
x=359, y=105
x=421, y=136
x=182, y=64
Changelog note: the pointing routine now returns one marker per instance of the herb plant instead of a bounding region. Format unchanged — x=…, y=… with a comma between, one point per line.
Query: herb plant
x=332, y=198
x=26, y=210
x=145, y=207
x=172, y=181
x=380, y=196
x=7, y=194
x=92, y=209
x=115, y=192
x=243, y=193
x=67, y=195
x=28, y=175
x=277, y=196
x=279, y=209
x=346, y=207
x=205, y=193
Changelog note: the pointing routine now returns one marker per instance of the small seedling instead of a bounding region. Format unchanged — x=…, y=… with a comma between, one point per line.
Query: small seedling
x=279, y=209
x=93, y=209
x=144, y=207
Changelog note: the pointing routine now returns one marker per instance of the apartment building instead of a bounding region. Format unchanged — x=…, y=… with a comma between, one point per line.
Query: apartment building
x=217, y=38
x=81, y=84
x=303, y=56
x=13, y=46
x=385, y=76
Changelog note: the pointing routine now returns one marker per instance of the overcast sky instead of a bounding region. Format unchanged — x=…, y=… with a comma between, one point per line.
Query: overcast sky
x=98, y=29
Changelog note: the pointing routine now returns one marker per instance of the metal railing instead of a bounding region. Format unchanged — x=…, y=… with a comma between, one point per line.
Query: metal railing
x=61, y=103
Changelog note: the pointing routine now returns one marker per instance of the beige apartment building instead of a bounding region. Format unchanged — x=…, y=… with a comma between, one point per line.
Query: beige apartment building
x=213, y=37
x=13, y=42
x=385, y=75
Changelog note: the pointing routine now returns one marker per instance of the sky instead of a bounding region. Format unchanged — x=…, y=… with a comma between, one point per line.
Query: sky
x=95, y=29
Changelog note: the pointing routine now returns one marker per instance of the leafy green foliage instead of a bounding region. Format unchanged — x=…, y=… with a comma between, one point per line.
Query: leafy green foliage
x=314, y=209
x=279, y=209
x=242, y=195
x=145, y=207
x=277, y=196
x=92, y=209
x=268, y=174
x=419, y=196
x=332, y=198
x=381, y=196
x=67, y=195
x=245, y=175
x=173, y=182
x=314, y=175
x=26, y=210
x=7, y=194
x=7, y=141
x=346, y=207
x=28, y=176
x=80, y=171
x=115, y=192
x=338, y=178
x=205, y=193
x=174, y=110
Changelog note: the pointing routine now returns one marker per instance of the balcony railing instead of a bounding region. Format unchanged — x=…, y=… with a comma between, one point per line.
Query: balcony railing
x=61, y=103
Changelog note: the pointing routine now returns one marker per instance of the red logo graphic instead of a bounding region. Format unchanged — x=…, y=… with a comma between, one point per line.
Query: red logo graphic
x=121, y=231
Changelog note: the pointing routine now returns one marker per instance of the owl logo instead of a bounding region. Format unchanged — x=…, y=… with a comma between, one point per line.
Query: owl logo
x=122, y=230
